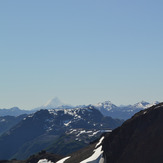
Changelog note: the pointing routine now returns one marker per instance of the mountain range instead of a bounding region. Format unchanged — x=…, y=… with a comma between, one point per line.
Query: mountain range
x=60, y=131
x=107, y=108
x=15, y=111
x=139, y=139
x=75, y=134
x=122, y=112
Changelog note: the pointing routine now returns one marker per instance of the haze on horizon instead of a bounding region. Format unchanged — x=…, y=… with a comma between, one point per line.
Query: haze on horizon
x=83, y=52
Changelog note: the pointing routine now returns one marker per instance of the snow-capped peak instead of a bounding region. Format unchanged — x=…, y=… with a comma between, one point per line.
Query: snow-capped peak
x=53, y=103
x=106, y=105
x=144, y=104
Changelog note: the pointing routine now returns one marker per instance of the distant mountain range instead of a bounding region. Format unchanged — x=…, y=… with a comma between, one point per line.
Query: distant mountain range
x=107, y=108
x=54, y=103
x=122, y=112
x=15, y=111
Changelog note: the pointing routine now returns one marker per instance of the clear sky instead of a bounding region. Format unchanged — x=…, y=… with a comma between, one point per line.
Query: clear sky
x=82, y=51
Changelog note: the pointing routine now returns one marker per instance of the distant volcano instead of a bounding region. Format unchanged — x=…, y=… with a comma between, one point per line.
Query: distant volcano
x=54, y=103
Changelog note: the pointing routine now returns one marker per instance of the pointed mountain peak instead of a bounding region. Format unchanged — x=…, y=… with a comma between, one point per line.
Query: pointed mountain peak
x=144, y=104
x=53, y=103
x=15, y=109
x=106, y=103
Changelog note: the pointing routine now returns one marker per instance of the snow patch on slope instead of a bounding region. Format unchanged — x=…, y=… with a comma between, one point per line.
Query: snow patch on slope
x=63, y=159
x=100, y=141
x=97, y=155
x=107, y=105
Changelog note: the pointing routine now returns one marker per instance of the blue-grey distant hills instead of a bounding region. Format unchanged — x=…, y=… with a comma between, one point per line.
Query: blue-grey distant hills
x=15, y=111
x=54, y=103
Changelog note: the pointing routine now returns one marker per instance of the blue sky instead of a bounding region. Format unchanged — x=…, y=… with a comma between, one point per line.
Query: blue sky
x=83, y=51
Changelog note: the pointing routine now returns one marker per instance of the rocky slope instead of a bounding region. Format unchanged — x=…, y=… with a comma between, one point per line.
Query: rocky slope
x=139, y=139
x=7, y=122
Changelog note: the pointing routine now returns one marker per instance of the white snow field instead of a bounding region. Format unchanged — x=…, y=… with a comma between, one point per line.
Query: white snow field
x=97, y=155
x=63, y=159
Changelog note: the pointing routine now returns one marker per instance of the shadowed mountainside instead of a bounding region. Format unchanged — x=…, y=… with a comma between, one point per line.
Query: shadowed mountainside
x=139, y=139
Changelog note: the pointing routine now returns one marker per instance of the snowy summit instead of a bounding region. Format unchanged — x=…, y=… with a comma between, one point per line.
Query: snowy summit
x=53, y=103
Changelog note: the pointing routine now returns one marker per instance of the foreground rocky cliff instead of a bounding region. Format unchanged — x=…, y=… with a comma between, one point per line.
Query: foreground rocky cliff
x=140, y=139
